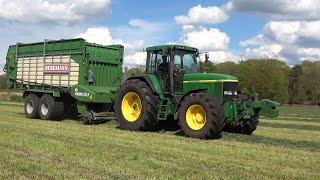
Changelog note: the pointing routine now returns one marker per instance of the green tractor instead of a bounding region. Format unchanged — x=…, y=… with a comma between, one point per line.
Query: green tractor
x=203, y=104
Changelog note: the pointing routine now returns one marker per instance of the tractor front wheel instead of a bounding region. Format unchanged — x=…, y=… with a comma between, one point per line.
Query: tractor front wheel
x=201, y=116
x=136, y=107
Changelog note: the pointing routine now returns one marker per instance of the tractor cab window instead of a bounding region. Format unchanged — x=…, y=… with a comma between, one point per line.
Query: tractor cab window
x=185, y=61
x=159, y=65
x=157, y=62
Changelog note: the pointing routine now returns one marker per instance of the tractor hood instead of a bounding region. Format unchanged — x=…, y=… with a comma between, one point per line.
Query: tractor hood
x=210, y=77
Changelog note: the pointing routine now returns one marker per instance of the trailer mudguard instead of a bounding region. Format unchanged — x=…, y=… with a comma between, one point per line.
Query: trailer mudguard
x=93, y=94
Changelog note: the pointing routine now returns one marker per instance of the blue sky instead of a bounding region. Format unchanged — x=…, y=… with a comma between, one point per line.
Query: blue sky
x=230, y=30
x=239, y=27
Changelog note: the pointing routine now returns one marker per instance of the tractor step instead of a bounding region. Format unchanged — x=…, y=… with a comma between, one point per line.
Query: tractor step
x=164, y=108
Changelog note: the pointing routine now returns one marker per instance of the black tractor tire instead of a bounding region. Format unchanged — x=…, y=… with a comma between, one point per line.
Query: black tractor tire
x=249, y=126
x=31, y=106
x=215, y=119
x=147, y=120
x=50, y=108
x=85, y=121
x=246, y=127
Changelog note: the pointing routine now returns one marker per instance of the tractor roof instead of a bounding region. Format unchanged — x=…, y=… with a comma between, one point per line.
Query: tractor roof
x=171, y=46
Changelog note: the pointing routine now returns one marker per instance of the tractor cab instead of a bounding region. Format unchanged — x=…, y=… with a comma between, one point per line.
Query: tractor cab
x=170, y=63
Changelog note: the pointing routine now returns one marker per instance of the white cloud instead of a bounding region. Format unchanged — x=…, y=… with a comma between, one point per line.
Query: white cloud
x=205, y=39
x=98, y=35
x=280, y=9
x=102, y=35
x=199, y=15
x=58, y=11
x=137, y=58
x=311, y=54
x=150, y=31
x=210, y=40
x=292, y=41
x=288, y=32
x=223, y=56
x=264, y=51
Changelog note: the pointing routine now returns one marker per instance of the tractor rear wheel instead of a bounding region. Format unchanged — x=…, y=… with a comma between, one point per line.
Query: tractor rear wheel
x=136, y=107
x=201, y=116
x=31, y=106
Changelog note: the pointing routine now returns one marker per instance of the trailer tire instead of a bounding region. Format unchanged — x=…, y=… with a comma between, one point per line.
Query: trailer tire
x=50, y=108
x=201, y=116
x=31, y=106
x=136, y=107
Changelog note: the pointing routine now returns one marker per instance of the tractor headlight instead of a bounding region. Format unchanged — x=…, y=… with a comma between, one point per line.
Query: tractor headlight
x=230, y=93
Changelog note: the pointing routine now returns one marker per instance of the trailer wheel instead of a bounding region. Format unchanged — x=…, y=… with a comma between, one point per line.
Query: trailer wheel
x=31, y=106
x=50, y=108
x=136, y=107
x=201, y=116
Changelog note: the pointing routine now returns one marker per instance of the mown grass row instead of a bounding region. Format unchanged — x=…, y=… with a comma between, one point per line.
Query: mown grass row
x=283, y=148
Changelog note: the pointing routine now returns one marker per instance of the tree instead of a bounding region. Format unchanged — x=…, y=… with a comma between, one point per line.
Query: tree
x=310, y=82
x=295, y=87
x=268, y=77
x=206, y=67
x=226, y=68
x=136, y=70
x=3, y=82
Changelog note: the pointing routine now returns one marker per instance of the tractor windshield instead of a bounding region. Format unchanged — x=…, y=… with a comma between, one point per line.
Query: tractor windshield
x=185, y=61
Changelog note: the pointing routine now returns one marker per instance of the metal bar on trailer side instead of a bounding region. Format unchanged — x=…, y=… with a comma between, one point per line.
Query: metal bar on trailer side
x=29, y=71
x=74, y=53
x=36, y=76
x=51, y=74
x=44, y=62
x=60, y=73
x=69, y=71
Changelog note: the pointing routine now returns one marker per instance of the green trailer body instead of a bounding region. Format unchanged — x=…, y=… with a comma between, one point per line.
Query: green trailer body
x=87, y=72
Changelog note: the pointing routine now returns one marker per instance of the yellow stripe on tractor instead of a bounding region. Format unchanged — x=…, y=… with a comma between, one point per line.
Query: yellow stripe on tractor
x=209, y=81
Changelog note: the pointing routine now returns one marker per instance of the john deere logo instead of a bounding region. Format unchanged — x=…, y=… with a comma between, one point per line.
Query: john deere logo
x=56, y=68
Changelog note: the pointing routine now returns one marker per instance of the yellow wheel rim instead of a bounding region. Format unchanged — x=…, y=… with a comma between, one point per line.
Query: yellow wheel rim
x=196, y=117
x=131, y=106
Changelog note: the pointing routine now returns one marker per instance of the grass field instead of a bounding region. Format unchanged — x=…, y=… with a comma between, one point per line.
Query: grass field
x=284, y=148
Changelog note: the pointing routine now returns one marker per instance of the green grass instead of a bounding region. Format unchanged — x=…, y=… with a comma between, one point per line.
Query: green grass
x=284, y=148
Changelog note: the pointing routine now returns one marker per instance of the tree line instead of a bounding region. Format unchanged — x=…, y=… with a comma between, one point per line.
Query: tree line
x=271, y=78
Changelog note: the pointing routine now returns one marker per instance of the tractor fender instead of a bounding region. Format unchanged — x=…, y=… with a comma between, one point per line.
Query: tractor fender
x=151, y=80
x=176, y=110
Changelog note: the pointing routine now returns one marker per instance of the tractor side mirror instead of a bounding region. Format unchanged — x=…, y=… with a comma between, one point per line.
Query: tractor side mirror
x=207, y=57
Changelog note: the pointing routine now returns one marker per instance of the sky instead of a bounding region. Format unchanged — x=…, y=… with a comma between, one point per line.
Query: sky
x=230, y=30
